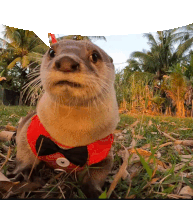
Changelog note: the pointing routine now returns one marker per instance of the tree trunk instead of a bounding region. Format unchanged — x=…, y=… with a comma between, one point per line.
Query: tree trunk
x=10, y=97
x=192, y=109
x=178, y=113
x=20, y=98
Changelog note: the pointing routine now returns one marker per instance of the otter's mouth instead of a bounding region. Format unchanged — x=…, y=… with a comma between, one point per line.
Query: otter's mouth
x=72, y=84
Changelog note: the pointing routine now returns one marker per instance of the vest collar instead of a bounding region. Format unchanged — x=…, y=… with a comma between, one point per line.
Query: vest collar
x=96, y=151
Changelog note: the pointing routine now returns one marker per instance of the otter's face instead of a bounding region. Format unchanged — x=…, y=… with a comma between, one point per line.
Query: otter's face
x=76, y=71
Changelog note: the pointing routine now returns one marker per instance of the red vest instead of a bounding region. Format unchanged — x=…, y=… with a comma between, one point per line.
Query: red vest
x=97, y=151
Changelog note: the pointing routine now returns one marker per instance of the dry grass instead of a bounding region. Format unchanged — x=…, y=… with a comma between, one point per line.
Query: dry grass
x=159, y=163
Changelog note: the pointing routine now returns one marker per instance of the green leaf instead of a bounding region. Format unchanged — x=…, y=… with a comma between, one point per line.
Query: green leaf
x=103, y=195
x=2, y=73
x=169, y=190
x=187, y=182
x=145, y=165
x=152, y=155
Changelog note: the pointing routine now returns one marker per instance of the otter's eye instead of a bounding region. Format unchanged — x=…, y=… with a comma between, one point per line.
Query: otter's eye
x=52, y=53
x=94, y=57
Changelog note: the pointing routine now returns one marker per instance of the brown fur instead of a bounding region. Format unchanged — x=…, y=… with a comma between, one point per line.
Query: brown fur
x=75, y=116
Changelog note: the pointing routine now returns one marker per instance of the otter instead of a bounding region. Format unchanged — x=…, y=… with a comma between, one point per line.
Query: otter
x=78, y=111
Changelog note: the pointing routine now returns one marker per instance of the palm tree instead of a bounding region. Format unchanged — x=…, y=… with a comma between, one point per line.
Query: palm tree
x=186, y=38
x=175, y=86
x=188, y=72
x=22, y=50
x=161, y=56
x=25, y=45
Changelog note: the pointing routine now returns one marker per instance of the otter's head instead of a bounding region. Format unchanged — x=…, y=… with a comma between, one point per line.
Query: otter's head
x=76, y=72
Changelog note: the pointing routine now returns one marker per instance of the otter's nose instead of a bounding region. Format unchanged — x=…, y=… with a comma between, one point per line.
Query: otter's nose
x=67, y=64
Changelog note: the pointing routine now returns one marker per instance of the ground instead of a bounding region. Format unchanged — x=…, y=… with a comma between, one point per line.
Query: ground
x=159, y=166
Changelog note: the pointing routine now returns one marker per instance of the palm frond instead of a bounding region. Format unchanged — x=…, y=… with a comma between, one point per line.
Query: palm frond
x=41, y=48
x=12, y=64
x=25, y=61
x=182, y=48
x=151, y=39
x=98, y=37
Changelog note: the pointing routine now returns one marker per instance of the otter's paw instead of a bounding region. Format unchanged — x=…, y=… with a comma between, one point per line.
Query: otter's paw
x=24, y=173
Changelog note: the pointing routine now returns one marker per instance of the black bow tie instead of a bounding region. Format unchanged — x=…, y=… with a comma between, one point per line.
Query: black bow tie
x=77, y=155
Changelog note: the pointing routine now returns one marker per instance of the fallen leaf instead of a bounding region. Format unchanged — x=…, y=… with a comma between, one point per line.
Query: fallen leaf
x=154, y=133
x=163, y=145
x=5, y=183
x=178, y=148
x=139, y=137
x=165, y=134
x=124, y=131
x=174, y=134
x=119, y=174
x=189, y=175
x=13, y=115
x=184, y=142
x=158, y=162
x=134, y=169
x=184, y=174
x=20, y=120
x=150, y=123
x=133, y=131
x=125, y=175
x=121, y=137
x=135, y=159
x=117, y=133
x=146, y=146
x=179, y=166
x=147, y=154
x=151, y=182
x=134, y=124
x=154, y=180
x=154, y=171
x=186, y=158
x=158, y=154
x=2, y=78
x=133, y=143
x=121, y=153
x=10, y=128
x=140, y=151
x=173, y=123
x=187, y=190
x=3, y=178
x=184, y=129
x=191, y=164
x=6, y=135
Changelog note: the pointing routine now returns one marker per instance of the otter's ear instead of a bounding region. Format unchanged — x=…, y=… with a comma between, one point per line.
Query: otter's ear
x=111, y=59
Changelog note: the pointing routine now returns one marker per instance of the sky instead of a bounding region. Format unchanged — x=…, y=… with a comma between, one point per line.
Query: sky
x=119, y=47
